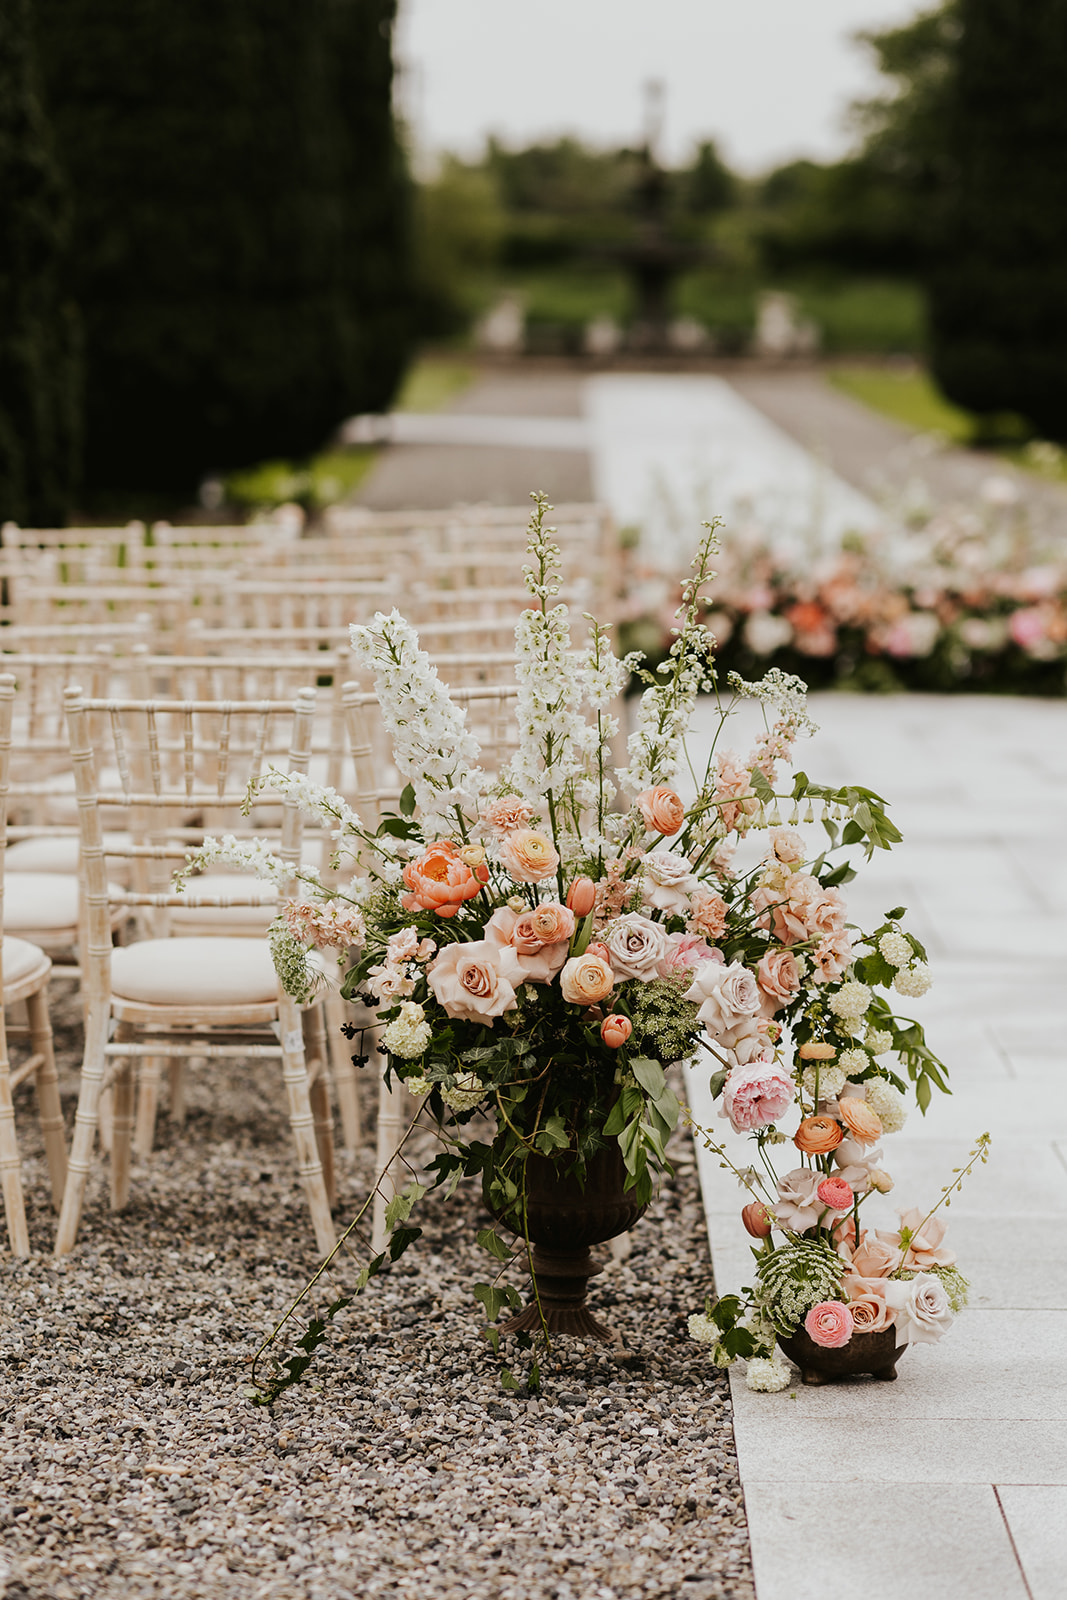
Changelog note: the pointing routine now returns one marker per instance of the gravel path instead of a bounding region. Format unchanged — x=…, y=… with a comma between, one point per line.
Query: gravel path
x=135, y=1465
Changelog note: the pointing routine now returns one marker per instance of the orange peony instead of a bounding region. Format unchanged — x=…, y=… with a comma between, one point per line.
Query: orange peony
x=662, y=810
x=863, y=1123
x=440, y=880
x=817, y=1136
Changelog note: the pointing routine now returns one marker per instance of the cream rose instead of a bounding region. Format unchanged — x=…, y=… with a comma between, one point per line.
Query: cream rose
x=469, y=982
x=725, y=995
x=586, y=980
x=921, y=1305
x=528, y=856
x=636, y=946
x=668, y=880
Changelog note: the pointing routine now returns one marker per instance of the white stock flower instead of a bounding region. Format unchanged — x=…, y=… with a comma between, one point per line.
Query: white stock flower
x=432, y=747
x=314, y=800
x=912, y=981
x=247, y=855
x=768, y=1374
x=549, y=699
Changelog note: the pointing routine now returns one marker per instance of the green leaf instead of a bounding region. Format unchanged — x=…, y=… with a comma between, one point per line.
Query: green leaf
x=583, y=935
x=896, y=913
x=508, y=1380
x=407, y=801
x=493, y=1337
x=399, y=1207
x=494, y=1244
x=616, y=1120
x=649, y=1075
x=718, y=1081
x=399, y=1240
x=923, y=1093
x=495, y=1295
x=853, y=833
x=760, y=786
x=556, y=1130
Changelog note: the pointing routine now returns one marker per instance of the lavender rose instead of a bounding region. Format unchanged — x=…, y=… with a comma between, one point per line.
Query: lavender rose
x=636, y=946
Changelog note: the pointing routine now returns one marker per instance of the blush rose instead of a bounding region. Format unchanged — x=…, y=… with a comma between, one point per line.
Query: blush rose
x=468, y=982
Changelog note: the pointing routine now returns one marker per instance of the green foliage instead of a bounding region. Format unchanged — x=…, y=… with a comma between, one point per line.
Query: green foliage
x=459, y=225
x=240, y=230
x=908, y=395
x=998, y=313
x=39, y=327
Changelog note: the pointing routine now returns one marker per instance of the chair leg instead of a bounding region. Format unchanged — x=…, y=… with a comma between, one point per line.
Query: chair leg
x=319, y=1094
x=105, y=1116
x=49, y=1108
x=344, y=1073
x=147, y=1105
x=122, y=1128
x=10, y=1168
x=176, y=1074
x=302, y=1122
x=85, y=1122
x=391, y=1125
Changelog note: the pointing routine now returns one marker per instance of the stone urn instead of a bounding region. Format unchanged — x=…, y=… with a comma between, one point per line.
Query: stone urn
x=563, y=1219
x=873, y=1353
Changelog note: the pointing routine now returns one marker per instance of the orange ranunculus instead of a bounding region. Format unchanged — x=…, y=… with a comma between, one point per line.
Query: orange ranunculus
x=440, y=880
x=662, y=810
x=581, y=896
x=817, y=1136
x=615, y=1030
x=863, y=1123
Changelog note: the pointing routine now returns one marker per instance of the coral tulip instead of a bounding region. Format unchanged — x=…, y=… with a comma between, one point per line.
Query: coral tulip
x=758, y=1220
x=615, y=1030
x=581, y=896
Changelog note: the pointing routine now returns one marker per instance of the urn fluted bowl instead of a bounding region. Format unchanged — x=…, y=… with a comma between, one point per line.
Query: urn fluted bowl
x=563, y=1218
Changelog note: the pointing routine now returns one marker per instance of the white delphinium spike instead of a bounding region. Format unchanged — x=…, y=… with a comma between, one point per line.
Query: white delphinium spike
x=432, y=746
x=246, y=855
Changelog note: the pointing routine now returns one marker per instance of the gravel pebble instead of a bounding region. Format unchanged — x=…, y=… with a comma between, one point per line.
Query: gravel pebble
x=135, y=1466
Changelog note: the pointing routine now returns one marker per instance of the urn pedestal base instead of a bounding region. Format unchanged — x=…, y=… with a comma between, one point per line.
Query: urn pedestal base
x=562, y=1278
x=875, y=1354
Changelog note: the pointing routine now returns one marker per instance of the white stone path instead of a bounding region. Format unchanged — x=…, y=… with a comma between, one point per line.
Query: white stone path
x=951, y=1482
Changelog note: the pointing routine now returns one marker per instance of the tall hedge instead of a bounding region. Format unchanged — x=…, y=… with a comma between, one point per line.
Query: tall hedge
x=240, y=225
x=39, y=398
x=998, y=290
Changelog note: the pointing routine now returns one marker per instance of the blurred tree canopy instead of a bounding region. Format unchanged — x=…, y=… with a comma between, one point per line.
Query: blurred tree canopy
x=240, y=227
x=39, y=345
x=998, y=277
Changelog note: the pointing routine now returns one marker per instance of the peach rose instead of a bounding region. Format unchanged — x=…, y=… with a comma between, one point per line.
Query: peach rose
x=779, y=979
x=586, y=980
x=468, y=982
x=615, y=1030
x=440, y=881
x=758, y=1219
x=817, y=1136
x=581, y=896
x=661, y=809
x=862, y=1123
x=867, y=1303
x=925, y=1249
x=829, y=1324
x=528, y=856
x=874, y=1258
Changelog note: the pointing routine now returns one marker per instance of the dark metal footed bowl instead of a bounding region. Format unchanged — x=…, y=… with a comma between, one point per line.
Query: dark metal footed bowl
x=563, y=1220
x=873, y=1353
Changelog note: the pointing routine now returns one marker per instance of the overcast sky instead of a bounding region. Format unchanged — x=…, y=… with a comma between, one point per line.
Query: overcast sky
x=768, y=79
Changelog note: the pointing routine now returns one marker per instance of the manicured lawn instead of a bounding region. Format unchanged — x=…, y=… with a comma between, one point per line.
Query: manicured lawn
x=430, y=384
x=906, y=394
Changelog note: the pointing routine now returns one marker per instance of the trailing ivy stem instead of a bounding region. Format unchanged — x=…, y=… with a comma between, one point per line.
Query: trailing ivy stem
x=325, y=1264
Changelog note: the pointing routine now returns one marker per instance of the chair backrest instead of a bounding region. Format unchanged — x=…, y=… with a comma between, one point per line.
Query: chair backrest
x=175, y=771
x=117, y=548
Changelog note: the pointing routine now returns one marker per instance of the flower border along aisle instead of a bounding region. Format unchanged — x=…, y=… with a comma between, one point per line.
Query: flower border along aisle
x=542, y=945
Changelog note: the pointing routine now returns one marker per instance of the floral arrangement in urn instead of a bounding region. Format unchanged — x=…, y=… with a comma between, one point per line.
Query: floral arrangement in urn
x=539, y=947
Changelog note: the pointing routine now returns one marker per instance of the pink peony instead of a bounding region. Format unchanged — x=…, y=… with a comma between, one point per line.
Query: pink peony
x=757, y=1095
x=707, y=914
x=686, y=950
x=829, y=1324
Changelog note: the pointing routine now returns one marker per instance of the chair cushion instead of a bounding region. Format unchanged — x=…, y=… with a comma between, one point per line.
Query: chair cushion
x=40, y=902
x=55, y=853
x=241, y=885
x=212, y=971
x=20, y=958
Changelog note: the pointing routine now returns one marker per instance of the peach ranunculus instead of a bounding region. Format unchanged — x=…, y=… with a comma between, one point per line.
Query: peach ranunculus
x=862, y=1123
x=586, y=980
x=526, y=937
x=925, y=1249
x=817, y=1050
x=707, y=913
x=817, y=1136
x=528, y=856
x=615, y=1030
x=874, y=1257
x=469, y=983
x=829, y=1324
x=779, y=979
x=581, y=896
x=867, y=1303
x=661, y=809
x=835, y=1193
x=440, y=881
x=507, y=813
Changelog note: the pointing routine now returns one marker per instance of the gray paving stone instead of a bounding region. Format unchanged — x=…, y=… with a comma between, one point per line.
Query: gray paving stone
x=1036, y=1515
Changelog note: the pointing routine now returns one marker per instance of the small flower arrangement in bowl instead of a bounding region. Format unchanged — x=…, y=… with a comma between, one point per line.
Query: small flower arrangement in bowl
x=541, y=945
